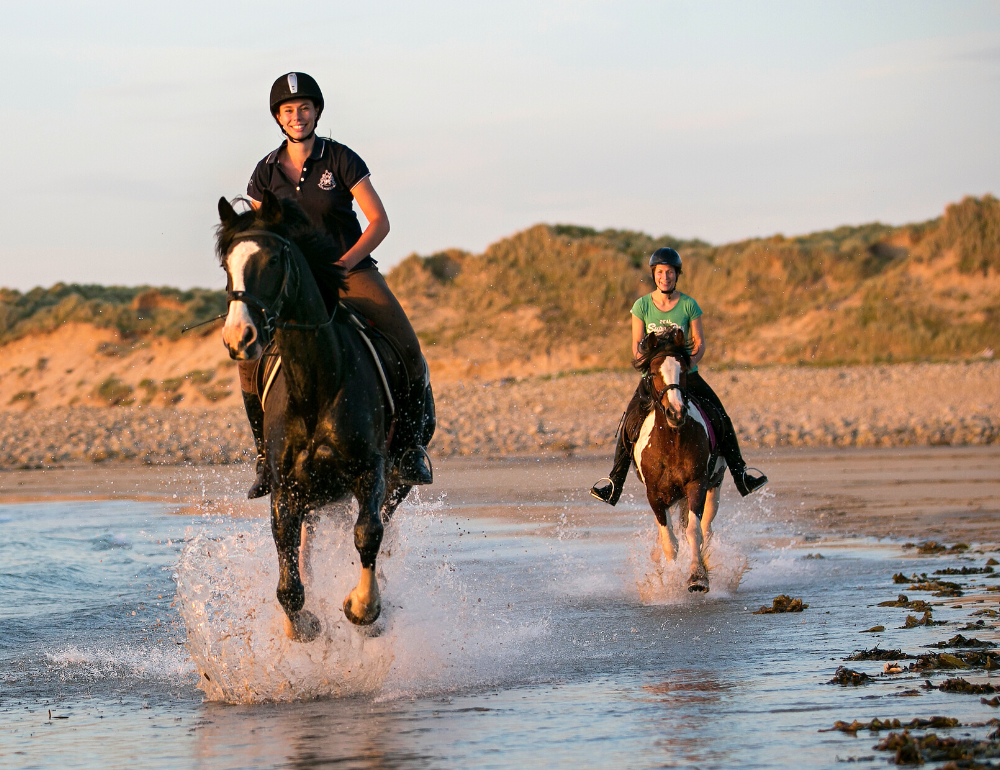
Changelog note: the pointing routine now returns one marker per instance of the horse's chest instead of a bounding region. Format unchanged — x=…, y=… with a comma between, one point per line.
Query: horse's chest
x=658, y=453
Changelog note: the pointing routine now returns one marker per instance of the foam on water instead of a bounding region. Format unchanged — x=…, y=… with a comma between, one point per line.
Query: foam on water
x=122, y=660
x=427, y=639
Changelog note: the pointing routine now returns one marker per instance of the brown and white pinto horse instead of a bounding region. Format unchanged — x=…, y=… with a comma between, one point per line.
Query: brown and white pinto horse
x=673, y=453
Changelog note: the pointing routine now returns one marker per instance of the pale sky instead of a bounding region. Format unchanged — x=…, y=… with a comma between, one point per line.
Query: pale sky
x=123, y=123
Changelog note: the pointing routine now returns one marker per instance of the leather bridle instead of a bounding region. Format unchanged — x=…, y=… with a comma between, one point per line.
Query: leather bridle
x=659, y=394
x=272, y=316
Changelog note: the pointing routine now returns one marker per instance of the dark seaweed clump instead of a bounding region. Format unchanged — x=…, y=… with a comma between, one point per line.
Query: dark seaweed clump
x=876, y=654
x=939, y=723
x=850, y=678
x=960, y=641
x=903, y=601
x=965, y=571
x=915, y=750
x=960, y=685
x=782, y=603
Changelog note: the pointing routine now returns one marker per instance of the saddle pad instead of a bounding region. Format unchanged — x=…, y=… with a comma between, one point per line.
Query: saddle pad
x=273, y=363
x=708, y=424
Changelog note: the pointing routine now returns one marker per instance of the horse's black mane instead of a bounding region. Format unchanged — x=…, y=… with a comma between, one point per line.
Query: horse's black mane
x=653, y=345
x=315, y=244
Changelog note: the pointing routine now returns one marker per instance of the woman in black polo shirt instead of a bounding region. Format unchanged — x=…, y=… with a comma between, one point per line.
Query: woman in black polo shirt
x=326, y=178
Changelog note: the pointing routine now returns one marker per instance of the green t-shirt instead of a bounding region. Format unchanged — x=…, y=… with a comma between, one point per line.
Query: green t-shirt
x=655, y=320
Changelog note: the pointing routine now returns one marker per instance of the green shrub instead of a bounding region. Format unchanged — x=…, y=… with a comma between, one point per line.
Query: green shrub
x=114, y=392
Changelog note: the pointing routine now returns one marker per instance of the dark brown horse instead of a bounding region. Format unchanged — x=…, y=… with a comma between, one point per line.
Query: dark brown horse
x=673, y=454
x=328, y=416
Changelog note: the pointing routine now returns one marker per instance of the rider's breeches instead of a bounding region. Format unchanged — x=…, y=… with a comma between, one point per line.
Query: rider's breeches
x=729, y=445
x=368, y=293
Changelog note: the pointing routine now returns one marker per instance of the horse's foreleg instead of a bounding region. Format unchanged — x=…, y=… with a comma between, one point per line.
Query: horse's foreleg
x=698, y=580
x=711, y=509
x=286, y=527
x=363, y=604
x=662, y=513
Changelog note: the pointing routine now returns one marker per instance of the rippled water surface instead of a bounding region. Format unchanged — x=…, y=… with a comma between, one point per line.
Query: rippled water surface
x=520, y=636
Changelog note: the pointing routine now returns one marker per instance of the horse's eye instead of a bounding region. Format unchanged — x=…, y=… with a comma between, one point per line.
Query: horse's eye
x=272, y=261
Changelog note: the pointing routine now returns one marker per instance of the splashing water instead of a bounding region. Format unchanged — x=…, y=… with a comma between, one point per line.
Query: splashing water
x=659, y=581
x=427, y=637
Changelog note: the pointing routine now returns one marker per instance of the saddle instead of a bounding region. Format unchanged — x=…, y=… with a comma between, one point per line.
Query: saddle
x=385, y=356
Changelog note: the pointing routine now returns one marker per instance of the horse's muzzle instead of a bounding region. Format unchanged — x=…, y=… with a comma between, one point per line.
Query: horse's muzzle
x=240, y=334
x=675, y=420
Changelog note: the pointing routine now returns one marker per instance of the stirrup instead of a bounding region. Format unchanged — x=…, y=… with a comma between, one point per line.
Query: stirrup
x=415, y=467
x=262, y=484
x=604, y=494
x=747, y=484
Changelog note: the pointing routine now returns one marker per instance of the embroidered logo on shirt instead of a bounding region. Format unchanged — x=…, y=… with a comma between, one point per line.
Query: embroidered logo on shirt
x=326, y=181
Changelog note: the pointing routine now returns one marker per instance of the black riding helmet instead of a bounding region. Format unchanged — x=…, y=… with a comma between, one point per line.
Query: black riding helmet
x=295, y=85
x=666, y=256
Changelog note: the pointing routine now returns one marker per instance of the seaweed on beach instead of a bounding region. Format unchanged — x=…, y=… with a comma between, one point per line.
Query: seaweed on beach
x=849, y=678
x=915, y=750
x=979, y=625
x=931, y=547
x=947, y=661
x=994, y=701
x=960, y=641
x=878, y=654
x=912, y=621
x=875, y=725
x=965, y=571
x=962, y=686
x=903, y=601
x=782, y=603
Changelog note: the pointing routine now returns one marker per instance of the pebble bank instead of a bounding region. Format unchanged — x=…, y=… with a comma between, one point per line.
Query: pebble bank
x=875, y=406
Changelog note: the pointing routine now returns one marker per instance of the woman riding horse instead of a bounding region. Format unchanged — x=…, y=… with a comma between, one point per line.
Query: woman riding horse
x=664, y=308
x=325, y=178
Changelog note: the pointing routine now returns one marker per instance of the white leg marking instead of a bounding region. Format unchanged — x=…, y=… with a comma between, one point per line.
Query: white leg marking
x=643, y=441
x=238, y=317
x=670, y=371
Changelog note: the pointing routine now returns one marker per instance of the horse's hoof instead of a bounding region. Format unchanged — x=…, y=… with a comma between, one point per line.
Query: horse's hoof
x=698, y=582
x=303, y=626
x=366, y=618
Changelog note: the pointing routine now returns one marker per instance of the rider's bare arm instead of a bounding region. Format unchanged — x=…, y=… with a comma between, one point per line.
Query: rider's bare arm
x=697, y=340
x=378, y=224
x=638, y=330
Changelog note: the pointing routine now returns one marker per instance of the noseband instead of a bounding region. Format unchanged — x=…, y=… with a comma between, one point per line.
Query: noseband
x=272, y=318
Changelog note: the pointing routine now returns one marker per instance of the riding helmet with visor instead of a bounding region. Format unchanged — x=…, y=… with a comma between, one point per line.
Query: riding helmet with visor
x=665, y=256
x=295, y=85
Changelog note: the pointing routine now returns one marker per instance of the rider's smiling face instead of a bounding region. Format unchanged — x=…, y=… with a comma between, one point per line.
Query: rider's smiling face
x=297, y=117
x=665, y=278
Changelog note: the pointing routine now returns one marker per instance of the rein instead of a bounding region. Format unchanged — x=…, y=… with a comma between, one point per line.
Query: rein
x=272, y=318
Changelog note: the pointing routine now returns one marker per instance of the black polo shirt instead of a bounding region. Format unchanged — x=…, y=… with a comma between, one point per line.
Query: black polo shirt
x=323, y=189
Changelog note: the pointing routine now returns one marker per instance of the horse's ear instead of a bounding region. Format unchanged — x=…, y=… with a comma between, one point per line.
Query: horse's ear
x=226, y=212
x=270, y=208
x=679, y=337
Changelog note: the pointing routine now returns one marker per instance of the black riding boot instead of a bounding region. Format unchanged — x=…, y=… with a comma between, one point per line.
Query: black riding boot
x=609, y=493
x=745, y=481
x=415, y=464
x=255, y=414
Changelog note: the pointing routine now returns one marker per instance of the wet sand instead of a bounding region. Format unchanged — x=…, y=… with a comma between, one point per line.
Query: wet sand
x=910, y=494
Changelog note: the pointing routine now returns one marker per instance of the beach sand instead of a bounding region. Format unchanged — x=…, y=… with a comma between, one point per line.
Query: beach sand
x=910, y=494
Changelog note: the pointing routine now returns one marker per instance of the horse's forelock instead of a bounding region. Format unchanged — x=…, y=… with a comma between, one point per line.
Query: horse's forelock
x=663, y=346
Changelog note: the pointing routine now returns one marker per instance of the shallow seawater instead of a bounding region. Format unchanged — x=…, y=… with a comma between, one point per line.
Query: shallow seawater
x=540, y=635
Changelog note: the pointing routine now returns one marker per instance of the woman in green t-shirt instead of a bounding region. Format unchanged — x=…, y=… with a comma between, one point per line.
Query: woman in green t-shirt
x=659, y=311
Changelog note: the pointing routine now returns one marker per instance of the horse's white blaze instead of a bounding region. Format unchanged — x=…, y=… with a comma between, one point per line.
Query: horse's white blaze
x=670, y=371
x=643, y=441
x=238, y=317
